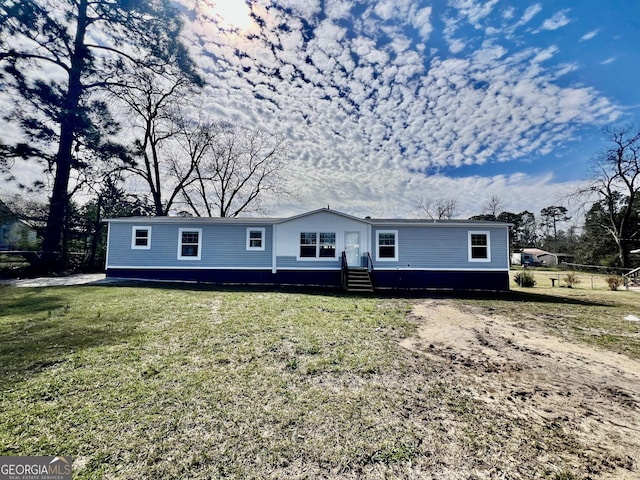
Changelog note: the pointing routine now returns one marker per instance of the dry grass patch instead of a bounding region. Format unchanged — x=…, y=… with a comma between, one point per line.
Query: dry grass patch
x=580, y=314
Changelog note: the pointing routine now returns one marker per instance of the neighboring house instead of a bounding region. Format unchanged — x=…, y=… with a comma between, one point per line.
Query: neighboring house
x=319, y=248
x=542, y=257
x=15, y=233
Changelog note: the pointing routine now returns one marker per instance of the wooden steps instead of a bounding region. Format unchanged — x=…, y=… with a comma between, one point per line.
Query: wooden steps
x=359, y=281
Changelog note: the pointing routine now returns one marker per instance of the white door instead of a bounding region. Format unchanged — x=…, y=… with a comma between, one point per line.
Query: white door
x=352, y=248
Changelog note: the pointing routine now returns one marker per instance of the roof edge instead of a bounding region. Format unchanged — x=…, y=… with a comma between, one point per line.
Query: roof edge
x=280, y=220
x=321, y=210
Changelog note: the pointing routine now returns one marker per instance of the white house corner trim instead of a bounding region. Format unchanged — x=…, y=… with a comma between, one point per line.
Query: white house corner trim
x=274, y=255
x=106, y=261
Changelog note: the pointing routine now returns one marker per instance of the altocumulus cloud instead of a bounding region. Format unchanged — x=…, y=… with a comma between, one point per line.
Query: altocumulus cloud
x=382, y=101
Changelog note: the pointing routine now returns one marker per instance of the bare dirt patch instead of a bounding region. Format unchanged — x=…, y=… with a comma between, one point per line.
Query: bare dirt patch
x=591, y=397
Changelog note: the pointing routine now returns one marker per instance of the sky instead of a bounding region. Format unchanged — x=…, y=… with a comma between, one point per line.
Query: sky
x=388, y=102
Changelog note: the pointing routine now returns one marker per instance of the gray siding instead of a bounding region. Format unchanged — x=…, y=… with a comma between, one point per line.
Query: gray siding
x=223, y=246
x=441, y=247
x=291, y=262
x=420, y=245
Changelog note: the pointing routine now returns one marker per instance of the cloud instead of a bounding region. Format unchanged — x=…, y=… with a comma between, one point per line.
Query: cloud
x=305, y=8
x=385, y=9
x=609, y=60
x=508, y=13
x=372, y=116
x=375, y=110
x=338, y=9
x=451, y=25
x=396, y=193
x=589, y=35
x=474, y=10
x=557, y=21
x=546, y=54
x=422, y=22
x=528, y=15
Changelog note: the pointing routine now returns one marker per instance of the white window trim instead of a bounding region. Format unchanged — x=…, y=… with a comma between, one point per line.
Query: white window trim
x=317, y=258
x=199, y=230
x=133, y=238
x=262, y=239
x=396, y=249
x=479, y=232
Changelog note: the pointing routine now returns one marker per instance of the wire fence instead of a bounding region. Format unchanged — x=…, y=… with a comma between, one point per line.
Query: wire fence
x=583, y=279
x=594, y=268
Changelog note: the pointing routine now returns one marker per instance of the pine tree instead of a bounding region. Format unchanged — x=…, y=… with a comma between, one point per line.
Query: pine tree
x=57, y=58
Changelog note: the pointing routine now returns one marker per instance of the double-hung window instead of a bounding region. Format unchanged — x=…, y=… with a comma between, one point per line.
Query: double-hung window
x=308, y=243
x=387, y=245
x=189, y=243
x=327, y=247
x=318, y=245
x=479, y=247
x=255, y=238
x=141, y=238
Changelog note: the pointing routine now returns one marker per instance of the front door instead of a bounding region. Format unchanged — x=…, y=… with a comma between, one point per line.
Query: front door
x=352, y=248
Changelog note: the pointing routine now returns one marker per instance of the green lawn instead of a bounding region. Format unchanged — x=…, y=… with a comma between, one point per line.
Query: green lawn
x=168, y=382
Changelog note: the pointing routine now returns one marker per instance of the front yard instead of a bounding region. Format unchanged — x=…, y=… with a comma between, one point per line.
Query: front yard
x=170, y=382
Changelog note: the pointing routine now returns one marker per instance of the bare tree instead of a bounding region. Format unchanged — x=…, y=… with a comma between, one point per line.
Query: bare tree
x=493, y=206
x=239, y=167
x=158, y=123
x=440, y=209
x=196, y=141
x=615, y=183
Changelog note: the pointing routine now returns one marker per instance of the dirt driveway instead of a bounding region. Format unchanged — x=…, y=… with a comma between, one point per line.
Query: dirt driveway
x=540, y=382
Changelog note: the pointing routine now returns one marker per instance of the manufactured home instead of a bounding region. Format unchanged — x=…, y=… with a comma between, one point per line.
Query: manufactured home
x=321, y=248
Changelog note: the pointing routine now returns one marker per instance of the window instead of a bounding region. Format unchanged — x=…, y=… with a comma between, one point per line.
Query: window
x=141, y=238
x=317, y=245
x=308, y=245
x=189, y=243
x=387, y=245
x=479, y=247
x=327, y=245
x=255, y=238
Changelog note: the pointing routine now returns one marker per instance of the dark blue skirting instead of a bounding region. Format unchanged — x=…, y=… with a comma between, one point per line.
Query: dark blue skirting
x=382, y=279
x=440, y=280
x=315, y=278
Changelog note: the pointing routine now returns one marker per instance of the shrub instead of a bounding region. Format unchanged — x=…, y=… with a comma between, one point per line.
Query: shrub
x=615, y=282
x=524, y=279
x=571, y=279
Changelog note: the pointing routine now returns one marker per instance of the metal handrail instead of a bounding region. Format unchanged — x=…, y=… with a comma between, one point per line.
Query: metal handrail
x=632, y=272
x=344, y=268
x=369, y=262
x=631, y=277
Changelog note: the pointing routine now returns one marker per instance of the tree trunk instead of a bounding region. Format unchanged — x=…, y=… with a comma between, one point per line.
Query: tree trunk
x=52, y=243
x=96, y=234
x=623, y=253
